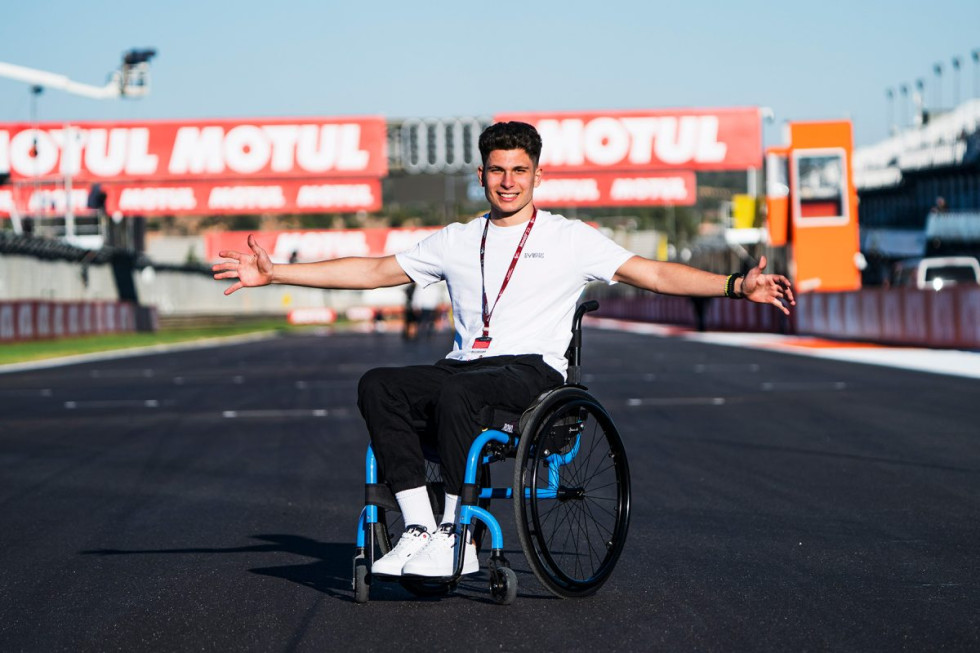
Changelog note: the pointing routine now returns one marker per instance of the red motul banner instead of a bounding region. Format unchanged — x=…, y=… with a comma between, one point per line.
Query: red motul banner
x=214, y=149
x=318, y=244
x=692, y=139
x=611, y=189
x=205, y=198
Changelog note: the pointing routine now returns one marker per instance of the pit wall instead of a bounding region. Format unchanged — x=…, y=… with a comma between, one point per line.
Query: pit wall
x=946, y=319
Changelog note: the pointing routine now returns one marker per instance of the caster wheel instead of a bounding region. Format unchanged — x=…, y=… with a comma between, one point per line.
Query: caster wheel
x=362, y=583
x=503, y=585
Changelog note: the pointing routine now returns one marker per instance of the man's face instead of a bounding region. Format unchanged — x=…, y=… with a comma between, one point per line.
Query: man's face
x=509, y=178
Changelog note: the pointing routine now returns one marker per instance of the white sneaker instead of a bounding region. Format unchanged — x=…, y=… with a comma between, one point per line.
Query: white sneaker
x=409, y=544
x=437, y=558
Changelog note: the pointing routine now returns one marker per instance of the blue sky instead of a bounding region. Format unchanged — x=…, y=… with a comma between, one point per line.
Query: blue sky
x=807, y=61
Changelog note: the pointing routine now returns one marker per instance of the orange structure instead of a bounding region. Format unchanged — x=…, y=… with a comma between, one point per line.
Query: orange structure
x=812, y=205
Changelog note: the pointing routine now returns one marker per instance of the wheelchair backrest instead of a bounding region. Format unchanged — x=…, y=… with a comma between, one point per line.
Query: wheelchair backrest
x=574, y=352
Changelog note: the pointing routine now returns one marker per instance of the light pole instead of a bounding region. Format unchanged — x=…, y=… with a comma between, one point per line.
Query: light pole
x=976, y=73
x=890, y=95
x=904, y=90
x=938, y=70
x=919, y=99
x=956, y=81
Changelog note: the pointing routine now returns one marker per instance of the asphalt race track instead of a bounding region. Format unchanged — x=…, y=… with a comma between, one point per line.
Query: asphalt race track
x=207, y=500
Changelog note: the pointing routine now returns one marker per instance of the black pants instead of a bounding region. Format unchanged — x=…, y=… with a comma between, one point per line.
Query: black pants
x=447, y=405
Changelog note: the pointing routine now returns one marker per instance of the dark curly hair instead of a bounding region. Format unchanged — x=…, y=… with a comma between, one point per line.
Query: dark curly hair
x=511, y=136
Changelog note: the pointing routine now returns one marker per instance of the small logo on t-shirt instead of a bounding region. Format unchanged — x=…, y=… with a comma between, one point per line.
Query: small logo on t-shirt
x=533, y=254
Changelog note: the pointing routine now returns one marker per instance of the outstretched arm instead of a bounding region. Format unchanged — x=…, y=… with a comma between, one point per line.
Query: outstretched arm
x=678, y=279
x=257, y=269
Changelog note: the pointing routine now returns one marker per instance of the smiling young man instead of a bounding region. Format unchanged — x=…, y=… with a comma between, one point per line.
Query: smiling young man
x=514, y=278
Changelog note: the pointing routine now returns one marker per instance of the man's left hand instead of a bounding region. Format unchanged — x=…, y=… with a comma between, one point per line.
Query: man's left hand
x=763, y=288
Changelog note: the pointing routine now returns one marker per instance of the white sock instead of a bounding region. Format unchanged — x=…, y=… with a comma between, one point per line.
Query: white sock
x=449, y=514
x=416, y=508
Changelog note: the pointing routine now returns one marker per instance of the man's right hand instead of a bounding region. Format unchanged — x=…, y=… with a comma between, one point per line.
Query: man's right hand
x=251, y=270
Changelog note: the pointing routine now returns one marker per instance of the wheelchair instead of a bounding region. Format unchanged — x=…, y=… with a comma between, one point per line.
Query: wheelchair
x=570, y=494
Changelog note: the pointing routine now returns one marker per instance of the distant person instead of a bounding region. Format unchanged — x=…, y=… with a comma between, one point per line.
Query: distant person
x=425, y=306
x=410, y=319
x=515, y=276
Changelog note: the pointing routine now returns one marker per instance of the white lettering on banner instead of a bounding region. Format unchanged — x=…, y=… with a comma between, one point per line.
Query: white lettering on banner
x=320, y=245
x=943, y=154
x=571, y=190
x=106, y=152
x=197, y=151
x=607, y=141
x=246, y=197
x=157, y=199
x=110, y=152
x=646, y=188
x=248, y=149
x=333, y=195
x=4, y=150
x=33, y=153
x=318, y=315
x=56, y=200
x=72, y=144
x=138, y=160
x=284, y=139
x=400, y=240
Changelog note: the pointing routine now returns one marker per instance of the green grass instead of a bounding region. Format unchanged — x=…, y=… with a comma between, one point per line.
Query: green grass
x=21, y=352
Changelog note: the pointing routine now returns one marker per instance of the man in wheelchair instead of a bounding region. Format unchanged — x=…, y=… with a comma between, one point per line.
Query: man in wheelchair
x=514, y=277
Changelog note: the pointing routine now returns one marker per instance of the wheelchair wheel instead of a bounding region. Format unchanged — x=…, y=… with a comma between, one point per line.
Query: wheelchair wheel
x=571, y=493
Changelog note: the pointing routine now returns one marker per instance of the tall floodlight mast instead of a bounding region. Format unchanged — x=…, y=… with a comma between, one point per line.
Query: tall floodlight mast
x=130, y=80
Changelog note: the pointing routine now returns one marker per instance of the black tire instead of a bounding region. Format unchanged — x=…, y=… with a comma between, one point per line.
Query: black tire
x=503, y=585
x=362, y=582
x=572, y=541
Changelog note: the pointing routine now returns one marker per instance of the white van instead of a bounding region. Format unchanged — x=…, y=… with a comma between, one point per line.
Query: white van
x=937, y=272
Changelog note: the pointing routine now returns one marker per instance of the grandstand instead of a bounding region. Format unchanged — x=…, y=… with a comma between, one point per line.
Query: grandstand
x=919, y=190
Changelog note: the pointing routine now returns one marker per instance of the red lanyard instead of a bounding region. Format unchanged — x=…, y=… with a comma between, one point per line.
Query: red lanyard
x=510, y=270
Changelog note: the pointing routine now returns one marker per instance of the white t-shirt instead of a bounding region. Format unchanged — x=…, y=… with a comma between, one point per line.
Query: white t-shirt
x=534, y=315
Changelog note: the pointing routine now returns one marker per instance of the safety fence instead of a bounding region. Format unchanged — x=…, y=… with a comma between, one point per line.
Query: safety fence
x=45, y=320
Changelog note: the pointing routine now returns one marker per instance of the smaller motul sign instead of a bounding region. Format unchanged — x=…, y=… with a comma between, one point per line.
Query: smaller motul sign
x=286, y=196
x=610, y=189
x=319, y=244
x=694, y=139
